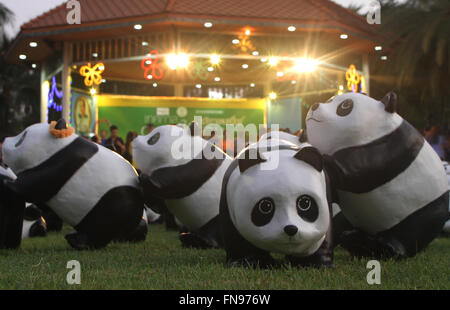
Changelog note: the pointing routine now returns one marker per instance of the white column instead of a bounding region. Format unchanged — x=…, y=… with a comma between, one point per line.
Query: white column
x=366, y=72
x=67, y=59
x=45, y=87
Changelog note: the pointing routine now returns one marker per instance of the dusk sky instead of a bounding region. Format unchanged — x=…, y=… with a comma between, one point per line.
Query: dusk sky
x=26, y=10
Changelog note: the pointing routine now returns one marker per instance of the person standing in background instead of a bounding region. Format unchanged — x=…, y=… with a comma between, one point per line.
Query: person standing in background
x=114, y=142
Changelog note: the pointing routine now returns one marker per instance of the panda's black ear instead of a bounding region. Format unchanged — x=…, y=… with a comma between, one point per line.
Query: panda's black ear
x=246, y=161
x=311, y=156
x=303, y=137
x=61, y=124
x=390, y=102
x=194, y=129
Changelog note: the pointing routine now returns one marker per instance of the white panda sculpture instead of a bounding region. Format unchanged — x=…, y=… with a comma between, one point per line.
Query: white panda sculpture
x=391, y=184
x=281, y=135
x=185, y=170
x=33, y=223
x=447, y=170
x=86, y=185
x=279, y=208
x=12, y=208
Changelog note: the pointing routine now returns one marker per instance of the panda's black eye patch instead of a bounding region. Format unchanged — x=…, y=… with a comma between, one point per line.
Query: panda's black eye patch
x=263, y=212
x=21, y=139
x=307, y=208
x=153, y=139
x=345, y=107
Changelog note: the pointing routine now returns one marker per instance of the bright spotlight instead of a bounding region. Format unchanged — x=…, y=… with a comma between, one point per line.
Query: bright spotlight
x=273, y=61
x=215, y=59
x=273, y=96
x=306, y=65
x=175, y=61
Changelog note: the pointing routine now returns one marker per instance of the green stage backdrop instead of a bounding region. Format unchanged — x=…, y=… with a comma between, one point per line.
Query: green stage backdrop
x=133, y=113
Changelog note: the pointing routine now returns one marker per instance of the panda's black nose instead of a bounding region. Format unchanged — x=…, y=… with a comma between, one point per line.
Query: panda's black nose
x=315, y=106
x=290, y=230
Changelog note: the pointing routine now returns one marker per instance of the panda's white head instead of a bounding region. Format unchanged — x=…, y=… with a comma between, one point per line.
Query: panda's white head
x=167, y=146
x=350, y=119
x=36, y=144
x=284, y=210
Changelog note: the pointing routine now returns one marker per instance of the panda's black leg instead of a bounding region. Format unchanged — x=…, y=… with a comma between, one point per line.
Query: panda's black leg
x=261, y=260
x=361, y=245
x=82, y=241
x=12, y=208
x=208, y=236
x=139, y=234
x=340, y=224
x=403, y=240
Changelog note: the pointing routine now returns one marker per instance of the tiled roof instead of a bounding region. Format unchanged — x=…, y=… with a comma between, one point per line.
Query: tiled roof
x=310, y=11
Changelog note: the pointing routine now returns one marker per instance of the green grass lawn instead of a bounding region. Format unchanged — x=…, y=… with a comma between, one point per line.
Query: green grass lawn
x=161, y=263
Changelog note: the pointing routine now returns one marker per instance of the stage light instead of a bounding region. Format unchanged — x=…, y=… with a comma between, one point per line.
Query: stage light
x=175, y=61
x=292, y=28
x=280, y=74
x=33, y=44
x=244, y=66
x=264, y=59
x=155, y=85
x=273, y=96
x=384, y=57
x=248, y=32
x=208, y=25
x=235, y=41
x=378, y=48
x=198, y=86
x=210, y=69
x=255, y=53
x=33, y=66
x=215, y=59
x=252, y=84
x=138, y=27
x=145, y=43
x=217, y=79
x=344, y=36
x=305, y=65
x=273, y=61
x=93, y=91
x=95, y=55
x=22, y=57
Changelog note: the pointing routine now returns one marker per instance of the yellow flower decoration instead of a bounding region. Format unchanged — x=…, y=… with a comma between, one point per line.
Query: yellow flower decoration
x=93, y=75
x=353, y=78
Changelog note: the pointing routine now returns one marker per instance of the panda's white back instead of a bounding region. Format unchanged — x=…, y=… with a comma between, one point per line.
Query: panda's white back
x=101, y=173
x=394, y=201
x=199, y=208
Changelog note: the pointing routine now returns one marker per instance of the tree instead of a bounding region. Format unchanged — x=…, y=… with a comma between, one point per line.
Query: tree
x=418, y=33
x=19, y=87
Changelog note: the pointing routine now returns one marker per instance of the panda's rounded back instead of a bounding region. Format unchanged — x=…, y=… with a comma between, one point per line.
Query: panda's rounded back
x=104, y=171
x=348, y=120
x=282, y=187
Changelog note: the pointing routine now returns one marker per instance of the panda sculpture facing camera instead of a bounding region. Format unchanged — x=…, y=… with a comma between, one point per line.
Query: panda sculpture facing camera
x=86, y=185
x=276, y=199
x=185, y=170
x=391, y=184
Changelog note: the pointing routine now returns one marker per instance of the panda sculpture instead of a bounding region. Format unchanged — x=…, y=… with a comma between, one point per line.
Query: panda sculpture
x=186, y=171
x=447, y=171
x=33, y=223
x=12, y=207
x=281, y=135
x=391, y=184
x=88, y=186
x=277, y=200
